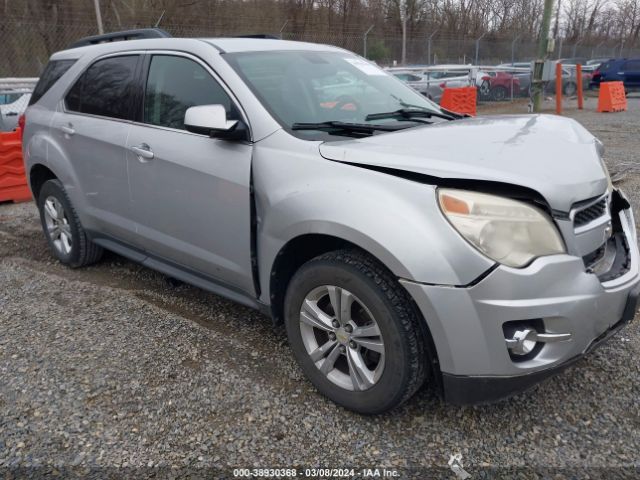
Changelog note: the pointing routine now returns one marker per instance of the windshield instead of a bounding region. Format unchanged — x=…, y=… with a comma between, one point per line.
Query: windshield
x=315, y=87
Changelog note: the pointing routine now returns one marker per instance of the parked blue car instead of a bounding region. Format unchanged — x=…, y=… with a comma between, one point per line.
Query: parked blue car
x=626, y=70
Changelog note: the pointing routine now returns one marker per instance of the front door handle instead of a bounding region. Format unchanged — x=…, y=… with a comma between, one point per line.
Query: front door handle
x=143, y=151
x=68, y=129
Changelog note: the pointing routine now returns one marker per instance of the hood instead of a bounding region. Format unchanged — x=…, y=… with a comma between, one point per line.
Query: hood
x=555, y=156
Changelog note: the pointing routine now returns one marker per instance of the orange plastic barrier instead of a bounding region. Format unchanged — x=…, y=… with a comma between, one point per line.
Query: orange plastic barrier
x=460, y=100
x=612, y=97
x=13, y=183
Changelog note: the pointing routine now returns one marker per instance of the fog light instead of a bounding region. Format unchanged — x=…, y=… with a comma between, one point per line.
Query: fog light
x=524, y=341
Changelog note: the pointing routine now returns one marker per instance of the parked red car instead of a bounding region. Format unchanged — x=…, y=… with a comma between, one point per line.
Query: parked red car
x=498, y=86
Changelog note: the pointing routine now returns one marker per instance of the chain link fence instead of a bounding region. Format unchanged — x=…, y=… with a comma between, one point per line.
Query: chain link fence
x=26, y=46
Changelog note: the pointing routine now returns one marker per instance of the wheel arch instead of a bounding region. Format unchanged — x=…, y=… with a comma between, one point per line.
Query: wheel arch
x=299, y=250
x=296, y=252
x=38, y=175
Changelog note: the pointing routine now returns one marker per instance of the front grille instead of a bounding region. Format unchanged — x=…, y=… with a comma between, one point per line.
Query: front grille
x=590, y=213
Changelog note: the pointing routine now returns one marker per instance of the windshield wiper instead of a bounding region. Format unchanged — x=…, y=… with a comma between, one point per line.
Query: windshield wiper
x=444, y=113
x=408, y=113
x=363, y=128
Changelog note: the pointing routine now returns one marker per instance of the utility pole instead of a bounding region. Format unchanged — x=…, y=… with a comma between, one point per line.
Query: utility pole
x=543, y=44
x=96, y=4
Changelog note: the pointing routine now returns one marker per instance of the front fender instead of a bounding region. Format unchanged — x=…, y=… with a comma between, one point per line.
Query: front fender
x=396, y=220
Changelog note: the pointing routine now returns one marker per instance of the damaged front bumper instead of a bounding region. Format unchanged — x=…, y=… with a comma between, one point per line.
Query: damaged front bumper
x=555, y=295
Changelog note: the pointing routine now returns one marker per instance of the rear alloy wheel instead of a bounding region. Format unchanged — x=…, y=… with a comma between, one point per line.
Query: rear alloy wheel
x=355, y=332
x=57, y=224
x=67, y=239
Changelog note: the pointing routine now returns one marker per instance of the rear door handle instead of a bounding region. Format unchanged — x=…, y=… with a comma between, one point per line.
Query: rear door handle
x=11, y=114
x=68, y=129
x=143, y=151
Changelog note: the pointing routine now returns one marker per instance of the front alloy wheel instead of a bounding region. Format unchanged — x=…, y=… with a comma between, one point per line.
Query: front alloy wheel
x=355, y=332
x=342, y=338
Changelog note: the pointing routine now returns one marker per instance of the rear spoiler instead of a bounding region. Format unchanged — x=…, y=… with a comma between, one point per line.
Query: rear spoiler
x=139, y=34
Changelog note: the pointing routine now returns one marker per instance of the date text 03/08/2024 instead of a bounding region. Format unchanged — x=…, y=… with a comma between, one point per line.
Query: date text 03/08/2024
x=315, y=473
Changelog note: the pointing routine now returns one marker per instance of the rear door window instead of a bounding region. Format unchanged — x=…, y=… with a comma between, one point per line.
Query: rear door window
x=107, y=88
x=51, y=74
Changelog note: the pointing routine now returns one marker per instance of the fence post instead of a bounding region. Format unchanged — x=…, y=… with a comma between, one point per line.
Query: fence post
x=282, y=28
x=559, y=88
x=575, y=46
x=478, y=46
x=579, y=84
x=404, y=39
x=621, y=47
x=365, y=41
x=513, y=49
x=96, y=5
x=513, y=54
x=560, y=47
x=429, y=46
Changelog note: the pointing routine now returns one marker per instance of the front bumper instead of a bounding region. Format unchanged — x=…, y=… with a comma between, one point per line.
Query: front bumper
x=472, y=390
x=466, y=323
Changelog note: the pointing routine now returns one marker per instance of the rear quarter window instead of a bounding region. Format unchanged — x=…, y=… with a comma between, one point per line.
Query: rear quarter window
x=106, y=88
x=633, y=66
x=51, y=74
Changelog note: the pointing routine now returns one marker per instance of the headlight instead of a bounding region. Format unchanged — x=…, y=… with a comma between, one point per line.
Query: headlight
x=510, y=232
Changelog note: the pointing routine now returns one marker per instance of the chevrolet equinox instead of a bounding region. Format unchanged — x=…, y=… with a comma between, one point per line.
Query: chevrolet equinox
x=400, y=243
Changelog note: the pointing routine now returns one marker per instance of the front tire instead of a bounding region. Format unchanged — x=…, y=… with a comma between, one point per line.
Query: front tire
x=355, y=332
x=67, y=239
x=499, y=93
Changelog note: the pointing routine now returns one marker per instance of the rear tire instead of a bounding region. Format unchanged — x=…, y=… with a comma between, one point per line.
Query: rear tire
x=380, y=324
x=67, y=239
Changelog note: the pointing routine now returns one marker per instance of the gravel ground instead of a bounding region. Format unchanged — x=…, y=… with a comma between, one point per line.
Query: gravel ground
x=110, y=371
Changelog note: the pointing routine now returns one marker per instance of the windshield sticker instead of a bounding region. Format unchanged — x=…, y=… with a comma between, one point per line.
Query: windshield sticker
x=365, y=67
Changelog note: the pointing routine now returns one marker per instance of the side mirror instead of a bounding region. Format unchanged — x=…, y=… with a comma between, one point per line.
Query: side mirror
x=212, y=120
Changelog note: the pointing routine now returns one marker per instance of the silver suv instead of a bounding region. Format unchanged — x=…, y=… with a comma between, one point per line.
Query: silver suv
x=398, y=242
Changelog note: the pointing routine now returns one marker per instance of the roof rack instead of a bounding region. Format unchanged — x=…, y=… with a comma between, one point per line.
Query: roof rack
x=259, y=35
x=138, y=34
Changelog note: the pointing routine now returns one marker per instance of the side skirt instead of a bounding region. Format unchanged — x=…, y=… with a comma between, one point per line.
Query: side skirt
x=179, y=272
